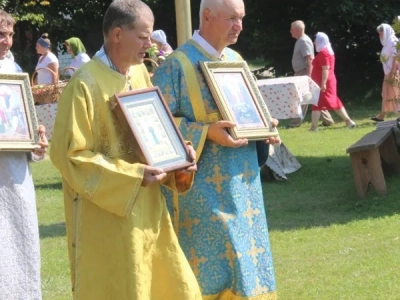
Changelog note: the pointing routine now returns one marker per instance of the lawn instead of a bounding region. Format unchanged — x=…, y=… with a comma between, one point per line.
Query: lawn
x=326, y=243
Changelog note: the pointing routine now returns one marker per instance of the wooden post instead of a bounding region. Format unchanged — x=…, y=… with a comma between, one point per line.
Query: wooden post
x=183, y=21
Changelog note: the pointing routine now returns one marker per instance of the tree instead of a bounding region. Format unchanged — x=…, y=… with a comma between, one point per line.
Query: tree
x=350, y=24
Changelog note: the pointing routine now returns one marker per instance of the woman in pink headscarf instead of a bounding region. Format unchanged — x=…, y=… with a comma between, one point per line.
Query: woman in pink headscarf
x=323, y=73
x=390, y=89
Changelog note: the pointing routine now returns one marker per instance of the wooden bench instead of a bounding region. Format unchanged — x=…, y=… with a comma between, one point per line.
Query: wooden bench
x=373, y=153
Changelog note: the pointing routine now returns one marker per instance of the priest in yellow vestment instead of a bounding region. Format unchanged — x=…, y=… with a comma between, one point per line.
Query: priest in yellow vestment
x=121, y=242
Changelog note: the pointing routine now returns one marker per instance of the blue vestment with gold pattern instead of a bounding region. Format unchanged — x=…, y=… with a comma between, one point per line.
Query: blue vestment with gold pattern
x=221, y=222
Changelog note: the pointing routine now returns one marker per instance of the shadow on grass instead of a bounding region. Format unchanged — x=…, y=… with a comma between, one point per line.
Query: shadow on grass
x=49, y=186
x=322, y=193
x=52, y=230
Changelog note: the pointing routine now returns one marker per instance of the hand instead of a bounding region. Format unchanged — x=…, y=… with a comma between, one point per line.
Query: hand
x=192, y=155
x=217, y=132
x=274, y=122
x=184, y=177
x=273, y=140
x=152, y=175
x=43, y=143
x=323, y=87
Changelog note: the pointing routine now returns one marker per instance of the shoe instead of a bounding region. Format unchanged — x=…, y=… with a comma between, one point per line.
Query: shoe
x=376, y=119
x=351, y=125
x=313, y=129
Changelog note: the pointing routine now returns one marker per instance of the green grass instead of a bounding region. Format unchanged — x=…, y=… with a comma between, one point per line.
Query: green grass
x=50, y=206
x=326, y=243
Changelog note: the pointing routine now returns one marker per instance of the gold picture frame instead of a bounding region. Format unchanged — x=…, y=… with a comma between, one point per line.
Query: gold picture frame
x=145, y=114
x=238, y=99
x=18, y=121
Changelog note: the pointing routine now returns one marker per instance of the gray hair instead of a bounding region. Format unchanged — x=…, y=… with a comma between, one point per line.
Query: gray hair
x=298, y=24
x=123, y=13
x=209, y=4
x=6, y=18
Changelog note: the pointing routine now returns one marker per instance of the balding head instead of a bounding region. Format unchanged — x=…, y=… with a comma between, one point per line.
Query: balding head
x=297, y=29
x=221, y=22
x=299, y=24
x=211, y=5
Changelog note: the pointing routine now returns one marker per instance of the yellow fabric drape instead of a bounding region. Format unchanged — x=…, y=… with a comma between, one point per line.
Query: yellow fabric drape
x=120, y=238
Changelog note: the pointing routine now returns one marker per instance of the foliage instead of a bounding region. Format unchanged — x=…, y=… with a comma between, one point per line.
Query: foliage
x=60, y=19
x=350, y=24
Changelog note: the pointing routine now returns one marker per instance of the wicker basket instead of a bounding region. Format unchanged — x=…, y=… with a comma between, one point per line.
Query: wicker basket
x=47, y=93
x=66, y=73
x=151, y=65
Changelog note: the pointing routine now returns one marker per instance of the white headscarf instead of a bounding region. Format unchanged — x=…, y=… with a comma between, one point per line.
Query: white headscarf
x=159, y=36
x=388, y=35
x=321, y=42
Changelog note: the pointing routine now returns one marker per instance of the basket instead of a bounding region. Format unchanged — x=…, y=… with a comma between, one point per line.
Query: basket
x=47, y=93
x=150, y=67
x=66, y=73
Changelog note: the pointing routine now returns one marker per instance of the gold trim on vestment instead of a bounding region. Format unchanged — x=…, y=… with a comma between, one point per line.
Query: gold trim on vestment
x=76, y=241
x=175, y=199
x=228, y=295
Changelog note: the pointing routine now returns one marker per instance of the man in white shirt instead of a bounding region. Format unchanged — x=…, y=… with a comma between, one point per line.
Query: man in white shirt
x=303, y=55
x=19, y=232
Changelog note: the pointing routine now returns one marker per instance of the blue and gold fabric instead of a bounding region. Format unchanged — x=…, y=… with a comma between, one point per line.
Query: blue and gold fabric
x=221, y=222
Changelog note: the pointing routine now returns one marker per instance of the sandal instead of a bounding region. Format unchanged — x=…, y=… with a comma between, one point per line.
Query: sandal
x=376, y=119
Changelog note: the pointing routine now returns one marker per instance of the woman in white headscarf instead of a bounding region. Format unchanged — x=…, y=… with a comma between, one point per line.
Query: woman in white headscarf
x=159, y=38
x=323, y=73
x=390, y=89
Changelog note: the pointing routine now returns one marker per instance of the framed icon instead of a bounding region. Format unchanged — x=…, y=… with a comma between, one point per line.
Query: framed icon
x=147, y=115
x=238, y=99
x=18, y=122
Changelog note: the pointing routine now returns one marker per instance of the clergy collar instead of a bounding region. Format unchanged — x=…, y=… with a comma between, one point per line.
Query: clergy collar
x=206, y=45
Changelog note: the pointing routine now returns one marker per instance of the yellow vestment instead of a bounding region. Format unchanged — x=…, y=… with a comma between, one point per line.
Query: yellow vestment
x=121, y=242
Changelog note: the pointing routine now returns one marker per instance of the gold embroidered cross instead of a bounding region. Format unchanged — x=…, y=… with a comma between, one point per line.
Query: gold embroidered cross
x=250, y=213
x=189, y=135
x=230, y=254
x=223, y=217
x=254, y=251
x=195, y=261
x=259, y=289
x=217, y=178
x=168, y=93
x=188, y=222
x=248, y=173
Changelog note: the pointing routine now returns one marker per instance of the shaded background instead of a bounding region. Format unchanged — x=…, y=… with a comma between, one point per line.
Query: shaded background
x=351, y=26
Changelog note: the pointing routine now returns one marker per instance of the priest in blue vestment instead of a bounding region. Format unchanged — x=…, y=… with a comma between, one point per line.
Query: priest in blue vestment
x=221, y=222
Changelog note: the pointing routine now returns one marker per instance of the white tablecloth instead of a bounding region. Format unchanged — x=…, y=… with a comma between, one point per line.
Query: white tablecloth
x=46, y=114
x=285, y=95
